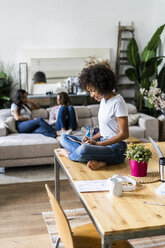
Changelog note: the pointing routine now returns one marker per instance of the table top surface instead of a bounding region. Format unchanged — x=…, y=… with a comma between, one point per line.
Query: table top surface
x=127, y=213
x=132, y=139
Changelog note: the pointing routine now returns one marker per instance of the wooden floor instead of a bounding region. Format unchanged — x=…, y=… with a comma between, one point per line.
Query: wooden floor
x=21, y=207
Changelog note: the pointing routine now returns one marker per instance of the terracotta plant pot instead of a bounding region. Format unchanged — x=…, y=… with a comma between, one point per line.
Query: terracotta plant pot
x=138, y=169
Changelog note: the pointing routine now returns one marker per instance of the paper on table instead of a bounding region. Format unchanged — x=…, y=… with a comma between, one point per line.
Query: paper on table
x=161, y=189
x=92, y=185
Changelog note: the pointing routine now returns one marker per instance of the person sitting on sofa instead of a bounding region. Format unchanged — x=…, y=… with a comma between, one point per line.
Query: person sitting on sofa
x=107, y=146
x=21, y=109
x=63, y=116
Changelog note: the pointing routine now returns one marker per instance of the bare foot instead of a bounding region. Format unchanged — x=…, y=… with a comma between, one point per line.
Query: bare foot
x=62, y=152
x=62, y=131
x=95, y=165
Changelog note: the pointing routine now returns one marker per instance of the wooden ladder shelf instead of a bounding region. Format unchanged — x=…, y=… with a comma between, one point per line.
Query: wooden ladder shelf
x=123, y=86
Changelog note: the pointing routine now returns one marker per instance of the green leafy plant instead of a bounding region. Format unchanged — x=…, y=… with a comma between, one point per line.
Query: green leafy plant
x=144, y=66
x=138, y=153
x=8, y=81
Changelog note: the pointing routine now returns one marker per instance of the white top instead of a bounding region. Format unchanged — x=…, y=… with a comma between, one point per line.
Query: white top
x=53, y=115
x=24, y=112
x=108, y=112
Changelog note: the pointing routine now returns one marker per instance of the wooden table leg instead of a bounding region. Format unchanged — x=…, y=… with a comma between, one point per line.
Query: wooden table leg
x=57, y=178
x=106, y=242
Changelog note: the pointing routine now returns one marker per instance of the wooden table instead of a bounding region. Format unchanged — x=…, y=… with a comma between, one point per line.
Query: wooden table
x=117, y=218
x=132, y=139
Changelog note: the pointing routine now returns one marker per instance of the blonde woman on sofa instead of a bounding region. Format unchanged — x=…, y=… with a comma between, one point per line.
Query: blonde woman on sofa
x=21, y=110
x=108, y=146
x=63, y=116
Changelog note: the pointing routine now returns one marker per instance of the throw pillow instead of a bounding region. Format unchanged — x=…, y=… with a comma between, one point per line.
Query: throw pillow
x=10, y=125
x=36, y=113
x=133, y=119
x=131, y=108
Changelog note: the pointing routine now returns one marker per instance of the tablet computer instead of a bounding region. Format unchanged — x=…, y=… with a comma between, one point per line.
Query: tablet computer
x=75, y=139
x=156, y=147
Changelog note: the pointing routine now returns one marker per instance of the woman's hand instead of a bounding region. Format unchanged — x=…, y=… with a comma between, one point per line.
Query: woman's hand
x=88, y=140
x=33, y=105
x=91, y=142
x=85, y=138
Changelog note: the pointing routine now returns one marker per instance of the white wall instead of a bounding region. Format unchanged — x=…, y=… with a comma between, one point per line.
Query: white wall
x=72, y=24
x=159, y=19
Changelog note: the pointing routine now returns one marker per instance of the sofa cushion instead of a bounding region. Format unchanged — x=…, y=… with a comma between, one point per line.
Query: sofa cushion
x=137, y=132
x=10, y=125
x=27, y=146
x=82, y=111
x=4, y=113
x=43, y=113
x=133, y=119
x=3, y=130
x=84, y=116
x=131, y=108
x=94, y=109
x=85, y=122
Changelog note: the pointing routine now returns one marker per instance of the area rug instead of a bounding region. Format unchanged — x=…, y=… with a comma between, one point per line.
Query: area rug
x=26, y=174
x=76, y=217
x=79, y=217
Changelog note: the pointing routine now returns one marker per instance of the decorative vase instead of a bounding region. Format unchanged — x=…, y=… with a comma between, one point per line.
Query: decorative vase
x=138, y=169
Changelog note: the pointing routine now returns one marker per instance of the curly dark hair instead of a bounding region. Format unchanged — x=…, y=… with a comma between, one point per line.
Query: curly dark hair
x=17, y=98
x=98, y=76
x=64, y=98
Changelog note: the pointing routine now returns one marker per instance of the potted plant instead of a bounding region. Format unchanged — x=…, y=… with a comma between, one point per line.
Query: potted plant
x=144, y=66
x=138, y=157
x=8, y=81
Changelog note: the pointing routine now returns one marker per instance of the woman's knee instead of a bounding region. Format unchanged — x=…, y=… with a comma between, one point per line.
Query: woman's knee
x=39, y=119
x=63, y=109
x=83, y=150
x=70, y=107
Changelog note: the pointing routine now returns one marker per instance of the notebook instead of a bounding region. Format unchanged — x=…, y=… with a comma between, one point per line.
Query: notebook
x=156, y=147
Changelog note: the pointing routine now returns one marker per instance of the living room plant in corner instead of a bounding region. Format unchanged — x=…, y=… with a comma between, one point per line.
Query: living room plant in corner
x=8, y=81
x=138, y=157
x=144, y=66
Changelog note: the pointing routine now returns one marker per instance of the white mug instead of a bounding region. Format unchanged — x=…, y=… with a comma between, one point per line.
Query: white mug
x=115, y=186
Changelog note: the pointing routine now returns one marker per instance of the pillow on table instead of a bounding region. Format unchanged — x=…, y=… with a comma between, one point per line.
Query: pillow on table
x=133, y=119
x=10, y=125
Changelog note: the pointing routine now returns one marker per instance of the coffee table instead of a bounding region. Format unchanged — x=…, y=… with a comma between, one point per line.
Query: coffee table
x=117, y=218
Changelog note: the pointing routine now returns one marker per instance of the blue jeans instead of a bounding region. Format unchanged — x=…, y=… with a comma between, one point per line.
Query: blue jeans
x=66, y=118
x=36, y=126
x=111, y=154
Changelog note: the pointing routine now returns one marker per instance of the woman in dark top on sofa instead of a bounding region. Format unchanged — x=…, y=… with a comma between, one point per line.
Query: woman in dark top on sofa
x=21, y=110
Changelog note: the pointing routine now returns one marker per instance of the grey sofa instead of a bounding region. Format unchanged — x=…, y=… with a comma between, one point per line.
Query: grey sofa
x=17, y=149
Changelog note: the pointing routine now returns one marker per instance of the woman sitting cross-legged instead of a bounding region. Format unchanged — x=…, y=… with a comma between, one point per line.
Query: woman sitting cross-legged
x=21, y=109
x=106, y=147
x=63, y=116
